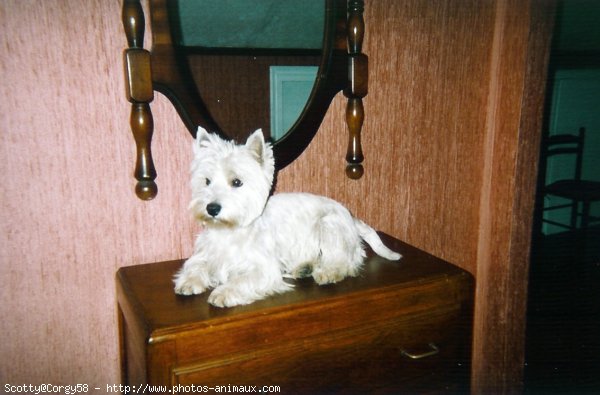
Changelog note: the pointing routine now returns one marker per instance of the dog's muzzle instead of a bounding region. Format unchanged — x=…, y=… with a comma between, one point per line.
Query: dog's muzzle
x=213, y=209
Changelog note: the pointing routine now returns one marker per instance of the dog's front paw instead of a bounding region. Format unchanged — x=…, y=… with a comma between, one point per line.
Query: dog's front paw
x=225, y=296
x=186, y=284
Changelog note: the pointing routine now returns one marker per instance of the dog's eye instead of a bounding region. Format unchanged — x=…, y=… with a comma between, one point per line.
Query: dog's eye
x=236, y=183
x=207, y=181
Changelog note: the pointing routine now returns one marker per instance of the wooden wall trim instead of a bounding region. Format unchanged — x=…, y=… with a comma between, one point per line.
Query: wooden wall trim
x=491, y=354
x=513, y=129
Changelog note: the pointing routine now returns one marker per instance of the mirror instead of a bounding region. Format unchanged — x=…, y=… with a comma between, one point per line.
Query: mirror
x=238, y=65
x=254, y=63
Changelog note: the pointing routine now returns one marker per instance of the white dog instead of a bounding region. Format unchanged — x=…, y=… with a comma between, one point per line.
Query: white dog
x=250, y=242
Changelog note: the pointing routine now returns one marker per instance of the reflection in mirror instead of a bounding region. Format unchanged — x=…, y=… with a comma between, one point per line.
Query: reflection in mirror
x=275, y=24
x=254, y=63
x=289, y=90
x=238, y=65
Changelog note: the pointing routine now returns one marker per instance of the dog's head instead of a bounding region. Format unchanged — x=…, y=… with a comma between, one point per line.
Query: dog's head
x=230, y=182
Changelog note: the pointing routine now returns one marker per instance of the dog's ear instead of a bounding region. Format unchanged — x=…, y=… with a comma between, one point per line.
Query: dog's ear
x=202, y=137
x=263, y=152
x=256, y=145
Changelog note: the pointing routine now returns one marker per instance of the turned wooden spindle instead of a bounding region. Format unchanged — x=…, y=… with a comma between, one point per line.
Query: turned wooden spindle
x=355, y=116
x=142, y=125
x=133, y=23
x=357, y=87
x=139, y=92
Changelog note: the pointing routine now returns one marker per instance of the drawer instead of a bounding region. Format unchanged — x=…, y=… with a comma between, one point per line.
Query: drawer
x=414, y=352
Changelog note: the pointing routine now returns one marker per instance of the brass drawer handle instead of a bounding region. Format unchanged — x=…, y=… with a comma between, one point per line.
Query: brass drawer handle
x=434, y=350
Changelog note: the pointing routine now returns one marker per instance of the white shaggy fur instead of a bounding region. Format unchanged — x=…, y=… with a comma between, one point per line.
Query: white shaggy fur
x=250, y=242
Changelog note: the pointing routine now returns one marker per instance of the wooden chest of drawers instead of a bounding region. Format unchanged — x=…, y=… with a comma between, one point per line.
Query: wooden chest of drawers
x=401, y=326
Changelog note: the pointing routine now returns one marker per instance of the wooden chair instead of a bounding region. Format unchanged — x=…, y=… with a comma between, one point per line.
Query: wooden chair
x=580, y=192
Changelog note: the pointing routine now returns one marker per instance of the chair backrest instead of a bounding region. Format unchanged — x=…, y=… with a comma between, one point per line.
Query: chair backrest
x=566, y=144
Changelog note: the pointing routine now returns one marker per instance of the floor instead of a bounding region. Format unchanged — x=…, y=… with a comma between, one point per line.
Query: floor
x=563, y=330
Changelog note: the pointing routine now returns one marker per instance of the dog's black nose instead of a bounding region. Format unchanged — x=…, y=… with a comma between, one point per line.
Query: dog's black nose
x=213, y=209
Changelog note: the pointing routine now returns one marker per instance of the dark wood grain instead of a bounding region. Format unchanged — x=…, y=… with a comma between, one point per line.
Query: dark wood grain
x=139, y=92
x=311, y=338
x=356, y=90
x=142, y=126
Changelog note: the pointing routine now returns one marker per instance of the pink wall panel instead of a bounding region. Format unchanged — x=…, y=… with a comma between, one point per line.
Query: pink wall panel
x=69, y=214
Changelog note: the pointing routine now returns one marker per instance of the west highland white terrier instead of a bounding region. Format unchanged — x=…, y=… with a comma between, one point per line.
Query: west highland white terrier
x=250, y=241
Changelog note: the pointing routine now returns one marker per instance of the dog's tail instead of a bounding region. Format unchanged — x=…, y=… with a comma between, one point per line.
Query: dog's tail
x=369, y=235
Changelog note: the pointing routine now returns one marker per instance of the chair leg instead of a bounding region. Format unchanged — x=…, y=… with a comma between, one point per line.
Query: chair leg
x=574, y=212
x=581, y=239
x=585, y=215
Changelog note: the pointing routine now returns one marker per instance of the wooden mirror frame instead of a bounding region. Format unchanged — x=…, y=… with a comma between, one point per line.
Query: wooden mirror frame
x=343, y=67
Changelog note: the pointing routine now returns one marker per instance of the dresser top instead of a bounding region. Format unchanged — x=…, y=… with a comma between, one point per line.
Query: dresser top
x=147, y=290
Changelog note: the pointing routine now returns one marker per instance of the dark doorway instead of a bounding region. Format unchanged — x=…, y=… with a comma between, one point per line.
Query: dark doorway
x=563, y=319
